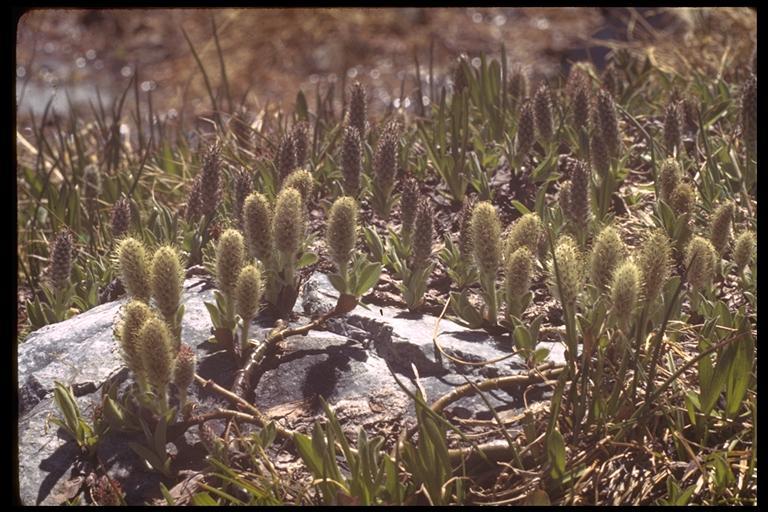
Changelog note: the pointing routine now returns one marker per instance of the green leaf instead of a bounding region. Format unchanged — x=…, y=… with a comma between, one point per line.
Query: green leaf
x=556, y=454
x=308, y=454
x=338, y=282
x=716, y=384
x=520, y=207
x=204, y=499
x=739, y=376
x=367, y=278
x=215, y=315
x=307, y=259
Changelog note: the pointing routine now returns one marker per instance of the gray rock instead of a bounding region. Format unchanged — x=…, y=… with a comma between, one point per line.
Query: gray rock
x=352, y=365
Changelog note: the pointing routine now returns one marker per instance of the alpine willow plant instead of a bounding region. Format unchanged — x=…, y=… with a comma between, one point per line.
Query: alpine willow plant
x=355, y=274
x=486, y=244
x=384, y=172
x=415, y=270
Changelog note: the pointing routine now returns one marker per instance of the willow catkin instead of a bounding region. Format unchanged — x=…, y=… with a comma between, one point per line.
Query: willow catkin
x=210, y=176
x=625, y=286
x=570, y=268
x=669, y=178
x=300, y=136
x=351, y=161
x=542, y=108
x=243, y=184
x=608, y=122
x=120, y=218
x=486, y=238
x=749, y=116
x=720, y=226
x=422, y=235
x=134, y=268
x=408, y=203
x=654, y=262
x=286, y=158
x=156, y=352
x=301, y=180
x=248, y=291
x=672, y=138
x=358, y=106
x=743, y=250
x=167, y=281
x=607, y=252
x=700, y=260
x=288, y=223
x=257, y=226
x=341, y=233
x=62, y=249
x=230, y=253
x=526, y=135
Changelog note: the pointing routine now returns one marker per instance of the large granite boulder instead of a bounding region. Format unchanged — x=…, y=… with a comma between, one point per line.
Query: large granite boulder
x=352, y=365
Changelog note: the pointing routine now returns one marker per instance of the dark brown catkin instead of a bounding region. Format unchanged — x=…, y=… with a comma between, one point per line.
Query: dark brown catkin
x=286, y=158
x=690, y=116
x=608, y=122
x=351, y=161
x=243, y=184
x=358, y=109
x=518, y=84
x=300, y=137
x=422, y=235
x=578, y=203
x=749, y=116
x=408, y=204
x=542, y=106
x=525, y=130
x=210, y=192
x=193, y=210
x=120, y=218
x=672, y=128
x=459, y=80
x=62, y=250
x=598, y=151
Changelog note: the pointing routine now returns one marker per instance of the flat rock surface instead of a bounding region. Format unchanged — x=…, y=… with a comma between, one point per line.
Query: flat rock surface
x=353, y=365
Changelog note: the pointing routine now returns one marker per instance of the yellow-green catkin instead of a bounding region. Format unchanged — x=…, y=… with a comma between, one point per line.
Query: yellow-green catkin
x=570, y=265
x=156, y=353
x=230, y=254
x=301, y=180
x=654, y=262
x=625, y=285
x=486, y=238
x=517, y=282
x=525, y=232
x=341, y=234
x=607, y=251
x=184, y=371
x=743, y=250
x=257, y=226
x=683, y=199
x=288, y=222
x=248, y=292
x=134, y=268
x=720, y=226
x=700, y=260
x=167, y=281
x=669, y=178
x=134, y=315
